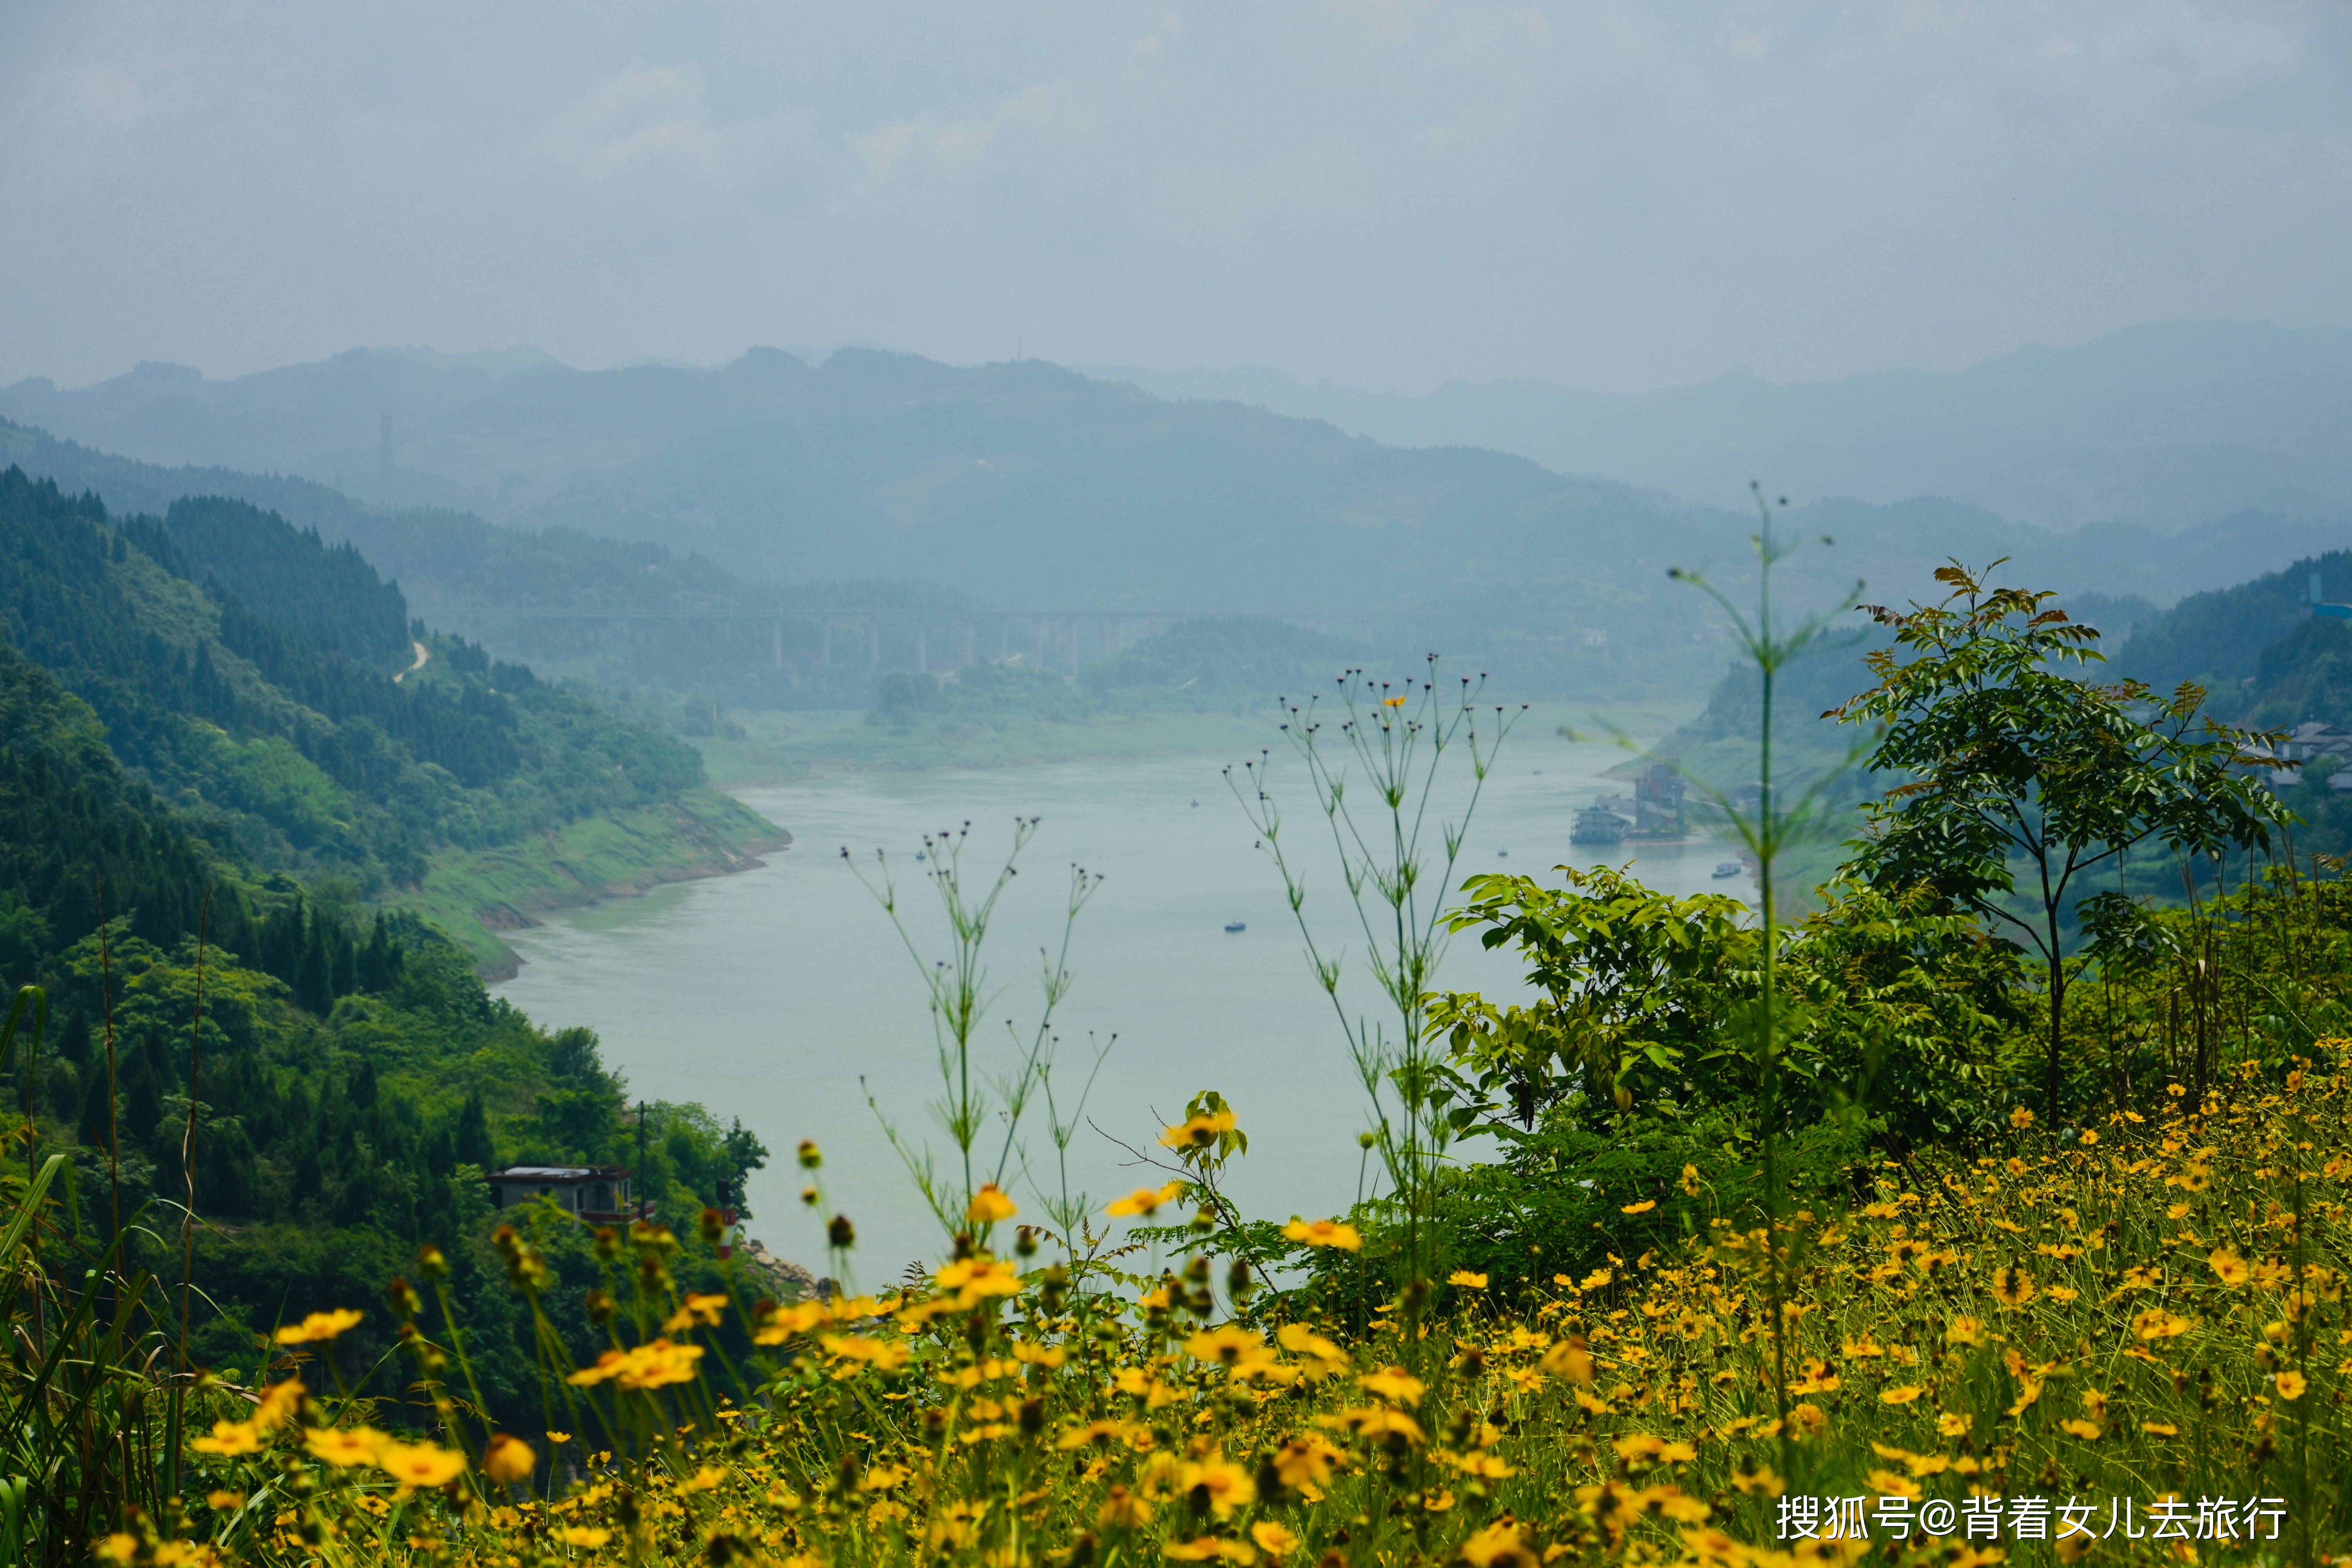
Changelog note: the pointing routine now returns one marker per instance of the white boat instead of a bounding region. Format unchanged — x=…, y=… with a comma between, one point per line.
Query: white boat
x=1727, y=868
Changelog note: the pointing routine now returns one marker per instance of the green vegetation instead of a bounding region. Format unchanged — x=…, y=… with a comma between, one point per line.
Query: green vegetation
x=1776, y=1257
x=351, y=1077
x=298, y=739
x=213, y=827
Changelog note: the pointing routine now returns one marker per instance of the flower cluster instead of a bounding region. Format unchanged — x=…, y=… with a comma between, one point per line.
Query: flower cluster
x=2150, y=1310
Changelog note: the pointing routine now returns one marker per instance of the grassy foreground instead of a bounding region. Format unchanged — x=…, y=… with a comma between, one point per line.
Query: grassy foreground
x=2124, y=1345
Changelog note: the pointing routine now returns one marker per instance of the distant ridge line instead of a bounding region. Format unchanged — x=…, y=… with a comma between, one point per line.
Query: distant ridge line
x=847, y=614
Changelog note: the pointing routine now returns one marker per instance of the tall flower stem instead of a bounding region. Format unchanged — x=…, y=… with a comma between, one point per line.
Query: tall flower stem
x=1395, y=739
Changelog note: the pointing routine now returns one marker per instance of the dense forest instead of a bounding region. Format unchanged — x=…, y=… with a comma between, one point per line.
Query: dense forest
x=252, y=675
x=196, y=799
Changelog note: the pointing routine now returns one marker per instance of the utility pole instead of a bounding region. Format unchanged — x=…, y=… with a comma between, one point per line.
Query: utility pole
x=644, y=1205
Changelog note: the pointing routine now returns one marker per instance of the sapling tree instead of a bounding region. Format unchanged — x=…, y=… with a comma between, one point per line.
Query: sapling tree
x=2012, y=764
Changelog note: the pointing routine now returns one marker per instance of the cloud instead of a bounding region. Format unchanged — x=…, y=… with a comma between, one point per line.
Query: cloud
x=641, y=112
x=1392, y=192
x=947, y=146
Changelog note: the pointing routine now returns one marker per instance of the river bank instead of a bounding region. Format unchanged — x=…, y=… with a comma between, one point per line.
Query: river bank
x=476, y=896
x=773, y=748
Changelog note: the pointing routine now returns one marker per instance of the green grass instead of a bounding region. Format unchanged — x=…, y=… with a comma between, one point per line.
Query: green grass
x=472, y=895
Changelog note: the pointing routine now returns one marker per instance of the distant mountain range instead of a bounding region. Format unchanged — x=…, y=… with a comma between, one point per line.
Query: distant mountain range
x=1028, y=485
x=2166, y=424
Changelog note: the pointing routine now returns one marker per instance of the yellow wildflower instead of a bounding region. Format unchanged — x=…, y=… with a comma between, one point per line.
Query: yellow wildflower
x=990, y=1206
x=1273, y=1539
x=1375, y=1421
x=2155, y=1323
x=1305, y=1461
x=1644, y=1446
x=1226, y=1486
x=1325, y=1233
x=657, y=1365
x=1143, y=1200
x=344, y=1445
x=508, y=1460
x=1200, y=1131
x=1225, y=1344
x=882, y=1355
x=279, y=1402
x=230, y=1438
x=1569, y=1359
x=1500, y=1545
x=319, y=1327
x=777, y=1324
x=1300, y=1340
x=1392, y=1384
x=419, y=1464
x=1122, y=1509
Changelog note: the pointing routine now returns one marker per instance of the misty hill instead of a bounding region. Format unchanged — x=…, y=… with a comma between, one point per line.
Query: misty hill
x=2166, y=424
x=448, y=561
x=1011, y=480
x=1026, y=486
x=2224, y=638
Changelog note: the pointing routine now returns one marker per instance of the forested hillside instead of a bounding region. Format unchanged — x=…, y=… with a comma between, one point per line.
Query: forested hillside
x=171, y=759
x=279, y=721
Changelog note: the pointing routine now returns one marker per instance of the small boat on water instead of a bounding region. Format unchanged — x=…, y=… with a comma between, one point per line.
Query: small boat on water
x=1727, y=868
x=1231, y=926
x=1501, y=854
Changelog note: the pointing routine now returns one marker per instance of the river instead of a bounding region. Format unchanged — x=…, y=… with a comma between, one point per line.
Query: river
x=774, y=995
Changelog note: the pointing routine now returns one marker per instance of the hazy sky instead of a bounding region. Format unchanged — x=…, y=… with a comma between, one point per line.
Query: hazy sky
x=1611, y=193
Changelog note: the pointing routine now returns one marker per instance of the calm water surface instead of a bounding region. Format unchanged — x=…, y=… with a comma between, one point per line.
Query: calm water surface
x=783, y=995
